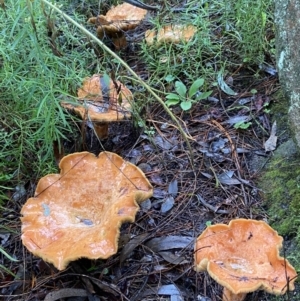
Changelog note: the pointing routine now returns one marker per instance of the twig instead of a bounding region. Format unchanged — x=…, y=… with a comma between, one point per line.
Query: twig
x=214, y=209
x=65, y=293
x=140, y=4
x=234, y=155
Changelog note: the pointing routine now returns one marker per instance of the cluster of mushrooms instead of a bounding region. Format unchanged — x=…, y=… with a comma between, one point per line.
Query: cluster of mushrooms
x=125, y=17
x=78, y=213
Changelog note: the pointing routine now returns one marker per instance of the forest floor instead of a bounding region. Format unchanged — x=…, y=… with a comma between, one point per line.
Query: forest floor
x=212, y=181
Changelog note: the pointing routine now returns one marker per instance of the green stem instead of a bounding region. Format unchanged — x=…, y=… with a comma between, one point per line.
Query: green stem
x=124, y=64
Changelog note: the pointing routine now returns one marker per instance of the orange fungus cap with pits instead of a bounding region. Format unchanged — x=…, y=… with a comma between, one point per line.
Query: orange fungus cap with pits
x=78, y=213
x=244, y=257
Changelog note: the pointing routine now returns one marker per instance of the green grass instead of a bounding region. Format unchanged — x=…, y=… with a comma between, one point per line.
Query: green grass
x=33, y=82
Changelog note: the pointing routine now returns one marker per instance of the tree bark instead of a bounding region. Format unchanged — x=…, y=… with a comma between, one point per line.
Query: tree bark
x=287, y=22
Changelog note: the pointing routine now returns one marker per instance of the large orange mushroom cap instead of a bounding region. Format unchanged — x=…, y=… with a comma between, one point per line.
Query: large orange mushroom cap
x=121, y=17
x=118, y=19
x=244, y=257
x=101, y=102
x=78, y=212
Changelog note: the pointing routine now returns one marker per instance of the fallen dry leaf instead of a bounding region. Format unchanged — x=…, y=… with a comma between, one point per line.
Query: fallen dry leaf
x=271, y=143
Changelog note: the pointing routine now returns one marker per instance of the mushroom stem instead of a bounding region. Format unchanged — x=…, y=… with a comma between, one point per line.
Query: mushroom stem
x=228, y=295
x=101, y=129
x=119, y=41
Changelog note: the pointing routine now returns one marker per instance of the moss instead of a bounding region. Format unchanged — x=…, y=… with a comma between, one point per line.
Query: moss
x=281, y=184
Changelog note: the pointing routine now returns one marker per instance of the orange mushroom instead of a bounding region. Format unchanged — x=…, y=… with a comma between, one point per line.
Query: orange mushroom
x=117, y=20
x=174, y=33
x=78, y=213
x=102, y=102
x=244, y=257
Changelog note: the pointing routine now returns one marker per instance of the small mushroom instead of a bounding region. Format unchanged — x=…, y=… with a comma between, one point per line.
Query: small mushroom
x=119, y=19
x=102, y=102
x=78, y=213
x=244, y=257
x=174, y=33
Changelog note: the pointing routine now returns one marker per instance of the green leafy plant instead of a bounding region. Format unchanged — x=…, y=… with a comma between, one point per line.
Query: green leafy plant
x=242, y=125
x=150, y=131
x=267, y=110
x=186, y=97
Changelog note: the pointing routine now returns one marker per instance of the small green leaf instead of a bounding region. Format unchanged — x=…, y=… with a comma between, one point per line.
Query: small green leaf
x=186, y=105
x=203, y=95
x=208, y=223
x=242, y=125
x=195, y=86
x=180, y=88
x=172, y=96
x=172, y=102
x=169, y=78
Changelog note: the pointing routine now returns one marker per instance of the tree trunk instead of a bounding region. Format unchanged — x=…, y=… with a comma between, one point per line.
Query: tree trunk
x=287, y=22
